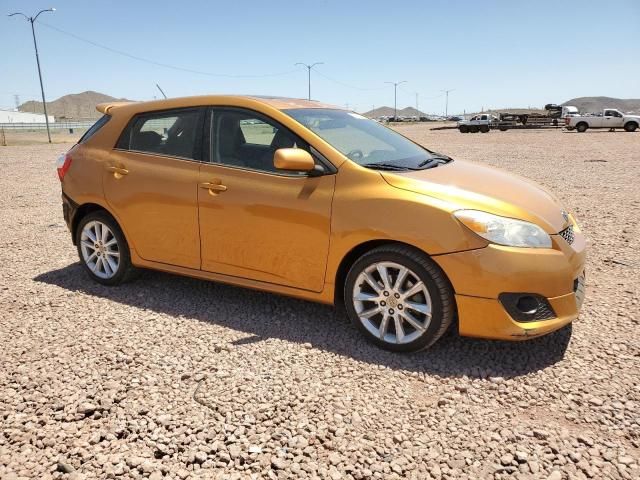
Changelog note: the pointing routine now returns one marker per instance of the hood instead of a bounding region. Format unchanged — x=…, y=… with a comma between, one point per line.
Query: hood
x=467, y=185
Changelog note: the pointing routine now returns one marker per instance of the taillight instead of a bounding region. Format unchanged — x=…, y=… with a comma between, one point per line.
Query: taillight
x=63, y=164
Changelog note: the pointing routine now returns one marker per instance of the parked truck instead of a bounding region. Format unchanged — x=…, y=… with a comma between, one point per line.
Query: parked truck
x=478, y=123
x=484, y=122
x=609, y=118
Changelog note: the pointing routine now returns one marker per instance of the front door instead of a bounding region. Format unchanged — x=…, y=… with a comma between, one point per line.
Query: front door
x=612, y=119
x=257, y=222
x=150, y=183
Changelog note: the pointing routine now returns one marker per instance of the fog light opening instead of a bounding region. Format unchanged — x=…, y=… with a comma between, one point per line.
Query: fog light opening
x=528, y=304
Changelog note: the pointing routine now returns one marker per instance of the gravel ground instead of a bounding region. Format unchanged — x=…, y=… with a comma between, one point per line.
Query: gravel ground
x=170, y=377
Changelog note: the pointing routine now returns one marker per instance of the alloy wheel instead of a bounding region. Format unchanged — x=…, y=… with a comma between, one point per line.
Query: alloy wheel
x=100, y=249
x=392, y=302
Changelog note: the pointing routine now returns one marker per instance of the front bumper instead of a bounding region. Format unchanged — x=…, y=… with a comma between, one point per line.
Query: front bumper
x=480, y=276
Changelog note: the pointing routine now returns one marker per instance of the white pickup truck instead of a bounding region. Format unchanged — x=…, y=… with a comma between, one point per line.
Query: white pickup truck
x=609, y=118
x=478, y=123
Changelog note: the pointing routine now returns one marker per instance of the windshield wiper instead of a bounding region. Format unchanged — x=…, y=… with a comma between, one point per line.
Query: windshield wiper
x=434, y=161
x=385, y=166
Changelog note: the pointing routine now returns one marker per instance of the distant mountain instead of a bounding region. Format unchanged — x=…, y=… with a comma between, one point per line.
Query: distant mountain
x=388, y=112
x=596, y=104
x=74, y=106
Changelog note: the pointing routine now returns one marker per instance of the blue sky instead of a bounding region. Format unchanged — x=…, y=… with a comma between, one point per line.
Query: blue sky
x=492, y=53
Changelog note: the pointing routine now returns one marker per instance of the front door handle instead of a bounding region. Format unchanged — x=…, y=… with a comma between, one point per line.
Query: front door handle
x=214, y=188
x=118, y=172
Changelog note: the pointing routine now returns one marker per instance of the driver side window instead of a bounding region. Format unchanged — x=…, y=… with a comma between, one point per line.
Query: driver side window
x=248, y=140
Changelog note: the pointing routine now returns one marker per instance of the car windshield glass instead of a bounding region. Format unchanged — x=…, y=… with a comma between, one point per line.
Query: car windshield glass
x=365, y=141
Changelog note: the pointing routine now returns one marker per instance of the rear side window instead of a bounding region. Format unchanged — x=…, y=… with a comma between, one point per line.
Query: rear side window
x=175, y=133
x=94, y=128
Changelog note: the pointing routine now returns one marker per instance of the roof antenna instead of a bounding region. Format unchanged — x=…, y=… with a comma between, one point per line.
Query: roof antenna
x=161, y=91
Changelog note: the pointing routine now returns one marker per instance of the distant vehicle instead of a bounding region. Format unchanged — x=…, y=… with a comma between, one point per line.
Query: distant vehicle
x=561, y=111
x=478, y=123
x=609, y=118
x=455, y=119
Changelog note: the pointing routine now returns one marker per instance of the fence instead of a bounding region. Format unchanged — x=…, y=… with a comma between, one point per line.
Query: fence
x=43, y=126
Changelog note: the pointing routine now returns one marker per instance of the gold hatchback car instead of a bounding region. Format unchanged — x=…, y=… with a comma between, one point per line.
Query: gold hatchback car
x=305, y=199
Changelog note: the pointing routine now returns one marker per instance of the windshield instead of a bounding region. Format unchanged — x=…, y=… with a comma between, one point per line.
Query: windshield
x=365, y=141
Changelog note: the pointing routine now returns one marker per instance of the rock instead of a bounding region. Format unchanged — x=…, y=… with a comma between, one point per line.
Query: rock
x=506, y=459
x=64, y=467
x=279, y=463
x=86, y=409
x=555, y=475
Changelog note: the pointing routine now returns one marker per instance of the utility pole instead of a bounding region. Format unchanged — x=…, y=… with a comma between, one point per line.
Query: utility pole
x=35, y=44
x=16, y=99
x=446, y=105
x=395, y=98
x=309, y=67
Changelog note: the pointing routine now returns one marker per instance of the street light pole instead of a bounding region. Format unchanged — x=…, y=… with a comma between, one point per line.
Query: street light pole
x=35, y=44
x=446, y=104
x=395, y=98
x=309, y=67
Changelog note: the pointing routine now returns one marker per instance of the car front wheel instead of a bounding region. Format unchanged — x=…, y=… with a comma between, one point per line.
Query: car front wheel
x=102, y=249
x=399, y=299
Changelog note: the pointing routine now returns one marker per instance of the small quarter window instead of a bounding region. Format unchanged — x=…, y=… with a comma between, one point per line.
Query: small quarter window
x=94, y=128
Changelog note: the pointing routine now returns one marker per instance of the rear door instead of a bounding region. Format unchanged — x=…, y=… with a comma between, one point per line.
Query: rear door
x=150, y=183
x=257, y=222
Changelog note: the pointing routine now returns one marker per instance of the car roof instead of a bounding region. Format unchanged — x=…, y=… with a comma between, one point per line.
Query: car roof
x=279, y=103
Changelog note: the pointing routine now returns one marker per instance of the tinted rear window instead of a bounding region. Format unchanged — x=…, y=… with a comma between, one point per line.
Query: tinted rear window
x=174, y=133
x=94, y=128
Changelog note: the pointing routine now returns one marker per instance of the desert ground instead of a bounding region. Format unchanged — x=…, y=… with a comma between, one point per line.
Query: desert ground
x=171, y=377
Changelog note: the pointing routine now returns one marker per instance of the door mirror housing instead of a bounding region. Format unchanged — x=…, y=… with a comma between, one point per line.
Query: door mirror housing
x=293, y=159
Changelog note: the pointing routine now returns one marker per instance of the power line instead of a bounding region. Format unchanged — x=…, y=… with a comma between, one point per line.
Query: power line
x=160, y=64
x=346, y=84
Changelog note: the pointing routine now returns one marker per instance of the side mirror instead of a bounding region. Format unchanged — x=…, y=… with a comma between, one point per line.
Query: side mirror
x=294, y=159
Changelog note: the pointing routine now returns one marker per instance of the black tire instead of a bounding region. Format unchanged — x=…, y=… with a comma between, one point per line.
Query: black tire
x=630, y=126
x=484, y=129
x=125, y=270
x=440, y=292
x=474, y=129
x=463, y=129
x=582, y=127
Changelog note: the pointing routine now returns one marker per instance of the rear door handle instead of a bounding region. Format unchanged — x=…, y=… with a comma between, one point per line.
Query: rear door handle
x=214, y=188
x=118, y=171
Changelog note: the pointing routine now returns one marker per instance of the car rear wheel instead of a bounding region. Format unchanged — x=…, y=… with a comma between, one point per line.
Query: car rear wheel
x=582, y=127
x=399, y=299
x=473, y=129
x=103, y=250
x=463, y=129
x=630, y=126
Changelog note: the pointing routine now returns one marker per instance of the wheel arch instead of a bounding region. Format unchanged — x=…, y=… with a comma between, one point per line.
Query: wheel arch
x=632, y=122
x=84, y=210
x=356, y=252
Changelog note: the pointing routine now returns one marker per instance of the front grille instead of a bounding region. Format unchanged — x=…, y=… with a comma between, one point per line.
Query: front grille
x=567, y=234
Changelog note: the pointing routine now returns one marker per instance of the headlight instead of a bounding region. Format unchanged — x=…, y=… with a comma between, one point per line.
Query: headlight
x=504, y=231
